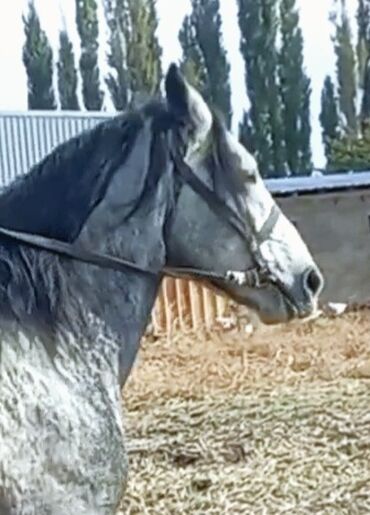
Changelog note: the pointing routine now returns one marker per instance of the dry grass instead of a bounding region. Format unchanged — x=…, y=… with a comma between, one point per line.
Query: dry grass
x=274, y=423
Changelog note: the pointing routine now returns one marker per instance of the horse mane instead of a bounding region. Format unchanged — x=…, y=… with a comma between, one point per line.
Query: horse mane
x=56, y=198
x=57, y=195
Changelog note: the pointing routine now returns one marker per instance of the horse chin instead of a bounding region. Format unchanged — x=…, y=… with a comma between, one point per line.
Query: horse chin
x=269, y=303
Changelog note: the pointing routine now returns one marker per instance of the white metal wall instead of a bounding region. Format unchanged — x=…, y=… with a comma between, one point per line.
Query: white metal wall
x=26, y=138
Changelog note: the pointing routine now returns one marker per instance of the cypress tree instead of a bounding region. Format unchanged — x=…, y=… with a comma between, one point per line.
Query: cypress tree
x=295, y=89
x=205, y=55
x=363, y=32
x=258, y=25
x=329, y=116
x=193, y=65
x=246, y=134
x=143, y=52
x=135, y=53
x=363, y=57
x=67, y=74
x=365, y=103
x=117, y=79
x=350, y=152
x=88, y=29
x=345, y=61
x=38, y=61
x=305, y=127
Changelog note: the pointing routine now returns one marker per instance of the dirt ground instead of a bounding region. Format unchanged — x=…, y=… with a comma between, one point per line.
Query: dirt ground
x=273, y=423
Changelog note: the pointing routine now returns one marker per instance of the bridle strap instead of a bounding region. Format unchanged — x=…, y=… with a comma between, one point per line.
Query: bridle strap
x=220, y=208
x=78, y=253
x=74, y=251
x=269, y=224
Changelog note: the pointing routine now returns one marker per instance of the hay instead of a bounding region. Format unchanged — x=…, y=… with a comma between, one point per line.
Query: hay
x=275, y=423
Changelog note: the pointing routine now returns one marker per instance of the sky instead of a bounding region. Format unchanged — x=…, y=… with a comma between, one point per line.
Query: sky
x=57, y=14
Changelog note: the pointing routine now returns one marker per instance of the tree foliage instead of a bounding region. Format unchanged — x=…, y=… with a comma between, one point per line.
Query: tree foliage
x=88, y=29
x=193, y=65
x=295, y=90
x=38, y=61
x=204, y=56
x=258, y=21
x=346, y=68
x=329, y=116
x=246, y=133
x=117, y=79
x=67, y=74
x=363, y=56
x=134, y=51
x=350, y=152
x=142, y=46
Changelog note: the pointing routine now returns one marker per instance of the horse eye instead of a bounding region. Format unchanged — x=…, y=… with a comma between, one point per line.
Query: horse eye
x=249, y=178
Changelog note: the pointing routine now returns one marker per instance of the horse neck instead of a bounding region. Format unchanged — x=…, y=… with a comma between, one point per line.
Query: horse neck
x=122, y=301
x=110, y=310
x=117, y=304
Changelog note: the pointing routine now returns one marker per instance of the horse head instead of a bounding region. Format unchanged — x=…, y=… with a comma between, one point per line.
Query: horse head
x=288, y=281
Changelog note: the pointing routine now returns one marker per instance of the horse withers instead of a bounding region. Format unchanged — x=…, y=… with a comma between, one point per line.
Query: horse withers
x=163, y=186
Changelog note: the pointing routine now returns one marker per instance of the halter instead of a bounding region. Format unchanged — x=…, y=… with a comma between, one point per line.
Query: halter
x=254, y=277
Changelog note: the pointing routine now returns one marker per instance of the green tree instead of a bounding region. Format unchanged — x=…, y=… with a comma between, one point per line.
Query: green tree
x=38, y=61
x=363, y=40
x=350, y=152
x=88, y=29
x=193, y=65
x=329, y=116
x=143, y=52
x=305, y=129
x=134, y=51
x=246, y=134
x=258, y=22
x=365, y=103
x=363, y=57
x=346, y=68
x=67, y=74
x=295, y=90
x=204, y=56
x=117, y=80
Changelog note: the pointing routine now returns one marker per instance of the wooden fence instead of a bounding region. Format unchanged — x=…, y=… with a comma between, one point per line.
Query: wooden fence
x=186, y=305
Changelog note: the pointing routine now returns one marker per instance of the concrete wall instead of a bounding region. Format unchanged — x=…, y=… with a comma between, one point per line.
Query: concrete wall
x=336, y=228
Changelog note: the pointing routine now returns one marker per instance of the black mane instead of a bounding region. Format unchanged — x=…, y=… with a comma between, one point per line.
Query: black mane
x=57, y=195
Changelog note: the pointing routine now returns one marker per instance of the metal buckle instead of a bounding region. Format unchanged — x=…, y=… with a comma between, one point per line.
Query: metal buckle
x=254, y=278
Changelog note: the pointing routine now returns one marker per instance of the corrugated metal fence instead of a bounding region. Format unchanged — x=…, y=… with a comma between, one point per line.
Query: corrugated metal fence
x=26, y=138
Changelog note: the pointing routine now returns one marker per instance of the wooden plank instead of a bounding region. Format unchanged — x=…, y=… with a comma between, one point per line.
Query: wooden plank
x=209, y=308
x=196, y=301
x=186, y=305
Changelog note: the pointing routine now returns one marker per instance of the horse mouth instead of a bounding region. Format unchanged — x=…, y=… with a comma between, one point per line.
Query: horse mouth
x=271, y=301
x=303, y=314
x=281, y=310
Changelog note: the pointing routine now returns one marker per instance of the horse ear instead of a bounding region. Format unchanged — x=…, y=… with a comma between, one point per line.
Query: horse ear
x=187, y=103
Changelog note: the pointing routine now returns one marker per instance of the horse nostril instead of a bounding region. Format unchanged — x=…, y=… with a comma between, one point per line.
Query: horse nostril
x=313, y=281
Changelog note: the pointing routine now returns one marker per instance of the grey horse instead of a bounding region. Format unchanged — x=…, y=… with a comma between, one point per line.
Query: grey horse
x=70, y=331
